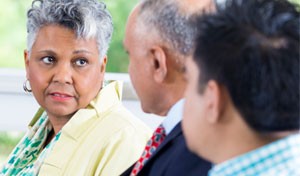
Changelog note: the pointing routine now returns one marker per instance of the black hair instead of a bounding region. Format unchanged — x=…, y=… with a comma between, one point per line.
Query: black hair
x=251, y=47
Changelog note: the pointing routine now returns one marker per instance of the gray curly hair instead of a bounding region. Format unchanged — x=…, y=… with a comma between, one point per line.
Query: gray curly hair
x=177, y=29
x=87, y=18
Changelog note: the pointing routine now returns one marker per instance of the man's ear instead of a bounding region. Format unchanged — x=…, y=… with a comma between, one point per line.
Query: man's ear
x=214, y=101
x=159, y=61
x=26, y=61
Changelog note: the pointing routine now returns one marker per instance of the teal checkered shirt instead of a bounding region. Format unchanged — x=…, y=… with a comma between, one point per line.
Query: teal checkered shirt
x=280, y=158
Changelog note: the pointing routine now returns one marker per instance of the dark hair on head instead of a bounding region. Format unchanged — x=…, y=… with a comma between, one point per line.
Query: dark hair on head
x=251, y=47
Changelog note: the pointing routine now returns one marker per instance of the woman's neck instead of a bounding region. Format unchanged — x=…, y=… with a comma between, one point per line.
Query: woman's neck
x=50, y=136
x=58, y=122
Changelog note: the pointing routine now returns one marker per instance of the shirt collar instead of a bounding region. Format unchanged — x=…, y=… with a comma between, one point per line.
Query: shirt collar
x=109, y=95
x=281, y=152
x=107, y=98
x=174, y=116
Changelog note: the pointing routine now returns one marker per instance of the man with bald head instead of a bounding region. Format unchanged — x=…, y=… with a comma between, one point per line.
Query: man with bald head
x=160, y=35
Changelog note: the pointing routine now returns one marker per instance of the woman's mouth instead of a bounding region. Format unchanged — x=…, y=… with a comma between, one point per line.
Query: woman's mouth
x=60, y=96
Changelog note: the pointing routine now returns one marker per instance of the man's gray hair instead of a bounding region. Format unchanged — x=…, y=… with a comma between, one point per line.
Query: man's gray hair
x=87, y=18
x=176, y=28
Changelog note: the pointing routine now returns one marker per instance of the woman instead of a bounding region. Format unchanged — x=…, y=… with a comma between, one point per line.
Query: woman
x=81, y=128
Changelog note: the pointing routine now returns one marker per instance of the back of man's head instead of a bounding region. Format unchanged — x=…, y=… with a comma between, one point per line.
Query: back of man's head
x=174, y=21
x=251, y=47
x=159, y=35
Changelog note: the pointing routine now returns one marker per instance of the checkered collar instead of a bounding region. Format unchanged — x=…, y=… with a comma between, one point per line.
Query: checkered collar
x=281, y=157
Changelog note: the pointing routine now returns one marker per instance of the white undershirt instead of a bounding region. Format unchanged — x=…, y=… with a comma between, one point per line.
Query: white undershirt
x=174, y=116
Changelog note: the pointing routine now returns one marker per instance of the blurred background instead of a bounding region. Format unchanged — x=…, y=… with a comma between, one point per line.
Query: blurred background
x=13, y=33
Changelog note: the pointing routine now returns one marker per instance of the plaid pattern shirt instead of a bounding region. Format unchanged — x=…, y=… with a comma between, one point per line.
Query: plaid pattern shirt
x=280, y=158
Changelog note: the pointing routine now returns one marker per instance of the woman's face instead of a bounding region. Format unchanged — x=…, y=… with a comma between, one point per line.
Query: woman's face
x=65, y=73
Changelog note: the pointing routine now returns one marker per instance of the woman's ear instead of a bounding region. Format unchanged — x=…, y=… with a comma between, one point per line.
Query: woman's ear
x=159, y=64
x=103, y=64
x=26, y=61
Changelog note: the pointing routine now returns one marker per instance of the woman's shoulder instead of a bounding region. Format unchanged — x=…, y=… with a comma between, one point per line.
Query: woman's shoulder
x=127, y=120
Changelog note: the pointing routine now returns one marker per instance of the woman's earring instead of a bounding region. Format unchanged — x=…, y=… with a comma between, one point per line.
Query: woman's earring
x=25, y=84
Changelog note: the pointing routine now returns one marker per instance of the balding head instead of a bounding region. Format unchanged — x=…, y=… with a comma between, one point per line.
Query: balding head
x=131, y=26
x=135, y=32
x=195, y=7
x=174, y=21
x=159, y=35
x=132, y=19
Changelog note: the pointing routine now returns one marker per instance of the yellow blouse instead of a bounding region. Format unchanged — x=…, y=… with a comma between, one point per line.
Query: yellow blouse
x=103, y=139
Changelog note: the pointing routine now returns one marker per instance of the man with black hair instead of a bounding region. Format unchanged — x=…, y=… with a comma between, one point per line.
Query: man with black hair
x=242, y=98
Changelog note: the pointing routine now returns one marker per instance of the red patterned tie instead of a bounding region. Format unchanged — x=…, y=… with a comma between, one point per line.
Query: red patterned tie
x=157, y=137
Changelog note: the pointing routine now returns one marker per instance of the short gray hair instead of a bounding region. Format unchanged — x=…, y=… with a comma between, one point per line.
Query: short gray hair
x=87, y=18
x=177, y=29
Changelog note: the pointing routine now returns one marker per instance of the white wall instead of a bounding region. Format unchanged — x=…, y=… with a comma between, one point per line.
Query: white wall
x=17, y=108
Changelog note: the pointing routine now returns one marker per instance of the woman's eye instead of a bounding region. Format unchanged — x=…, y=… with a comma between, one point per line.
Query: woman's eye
x=81, y=62
x=48, y=60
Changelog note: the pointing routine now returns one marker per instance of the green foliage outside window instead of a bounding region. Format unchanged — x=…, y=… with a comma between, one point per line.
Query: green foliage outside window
x=13, y=33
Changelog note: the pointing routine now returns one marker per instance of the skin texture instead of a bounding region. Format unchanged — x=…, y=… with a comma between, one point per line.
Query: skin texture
x=139, y=67
x=65, y=73
x=152, y=68
x=193, y=121
x=212, y=126
x=198, y=115
x=197, y=7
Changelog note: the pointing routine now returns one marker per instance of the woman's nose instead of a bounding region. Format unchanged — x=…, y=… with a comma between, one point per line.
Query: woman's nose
x=63, y=74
